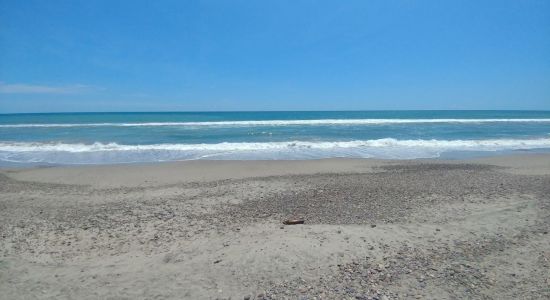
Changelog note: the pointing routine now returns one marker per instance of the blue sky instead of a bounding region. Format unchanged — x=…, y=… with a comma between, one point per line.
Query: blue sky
x=273, y=55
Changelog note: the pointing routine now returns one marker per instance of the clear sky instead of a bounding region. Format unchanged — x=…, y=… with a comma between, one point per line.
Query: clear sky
x=273, y=55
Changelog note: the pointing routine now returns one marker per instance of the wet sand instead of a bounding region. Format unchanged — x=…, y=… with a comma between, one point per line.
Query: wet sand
x=426, y=229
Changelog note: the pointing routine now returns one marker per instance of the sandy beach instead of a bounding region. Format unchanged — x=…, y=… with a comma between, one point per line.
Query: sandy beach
x=374, y=229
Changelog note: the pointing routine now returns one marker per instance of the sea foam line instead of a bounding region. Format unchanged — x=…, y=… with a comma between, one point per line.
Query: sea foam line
x=487, y=145
x=280, y=122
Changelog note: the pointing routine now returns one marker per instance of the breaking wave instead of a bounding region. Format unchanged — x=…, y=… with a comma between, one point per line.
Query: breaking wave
x=97, y=153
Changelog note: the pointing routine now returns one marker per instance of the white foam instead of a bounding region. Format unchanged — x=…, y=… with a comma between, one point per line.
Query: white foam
x=97, y=153
x=490, y=144
x=279, y=123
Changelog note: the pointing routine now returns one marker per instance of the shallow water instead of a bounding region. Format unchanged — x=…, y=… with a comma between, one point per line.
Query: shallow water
x=89, y=138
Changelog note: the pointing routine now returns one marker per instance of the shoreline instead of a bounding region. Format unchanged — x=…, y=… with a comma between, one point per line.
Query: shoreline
x=209, y=170
x=384, y=229
x=444, y=156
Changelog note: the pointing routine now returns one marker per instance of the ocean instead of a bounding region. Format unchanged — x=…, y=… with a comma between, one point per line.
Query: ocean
x=104, y=138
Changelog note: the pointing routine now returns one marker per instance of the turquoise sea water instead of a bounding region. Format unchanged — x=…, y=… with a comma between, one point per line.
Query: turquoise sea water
x=90, y=138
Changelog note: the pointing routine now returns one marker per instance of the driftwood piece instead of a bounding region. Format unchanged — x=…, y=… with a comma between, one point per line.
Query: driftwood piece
x=293, y=221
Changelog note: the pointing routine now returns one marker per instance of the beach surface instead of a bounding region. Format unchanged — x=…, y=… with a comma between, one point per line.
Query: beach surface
x=374, y=229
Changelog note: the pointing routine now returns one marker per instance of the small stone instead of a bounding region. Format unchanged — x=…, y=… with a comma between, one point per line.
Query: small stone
x=247, y=297
x=217, y=261
x=169, y=257
x=373, y=225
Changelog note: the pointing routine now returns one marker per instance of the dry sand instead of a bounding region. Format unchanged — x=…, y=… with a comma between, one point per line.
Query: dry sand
x=373, y=229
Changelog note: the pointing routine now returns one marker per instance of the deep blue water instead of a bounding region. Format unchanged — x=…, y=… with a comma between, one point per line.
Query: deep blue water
x=70, y=138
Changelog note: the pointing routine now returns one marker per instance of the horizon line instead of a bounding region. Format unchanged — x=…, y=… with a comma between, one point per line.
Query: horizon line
x=237, y=111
